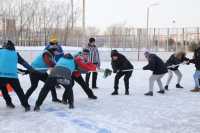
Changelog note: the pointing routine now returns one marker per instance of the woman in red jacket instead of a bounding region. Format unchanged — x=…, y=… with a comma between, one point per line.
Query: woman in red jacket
x=83, y=66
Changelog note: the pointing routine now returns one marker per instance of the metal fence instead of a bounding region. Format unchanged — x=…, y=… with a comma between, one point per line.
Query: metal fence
x=134, y=39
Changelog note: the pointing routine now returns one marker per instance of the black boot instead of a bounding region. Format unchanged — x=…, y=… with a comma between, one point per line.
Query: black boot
x=95, y=87
x=56, y=100
x=161, y=91
x=27, y=108
x=92, y=97
x=127, y=92
x=71, y=106
x=179, y=86
x=10, y=105
x=166, y=88
x=58, y=86
x=64, y=102
x=37, y=108
x=150, y=93
x=115, y=92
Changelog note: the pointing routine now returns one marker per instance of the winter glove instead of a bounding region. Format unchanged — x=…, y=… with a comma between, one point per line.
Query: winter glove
x=23, y=72
x=114, y=71
x=107, y=72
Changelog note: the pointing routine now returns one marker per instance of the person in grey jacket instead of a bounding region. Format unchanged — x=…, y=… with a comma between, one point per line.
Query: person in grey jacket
x=95, y=59
x=158, y=67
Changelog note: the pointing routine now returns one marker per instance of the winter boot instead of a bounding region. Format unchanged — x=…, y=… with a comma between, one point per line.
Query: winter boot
x=166, y=88
x=58, y=86
x=95, y=87
x=127, y=92
x=115, y=92
x=64, y=102
x=28, y=108
x=71, y=106
x=195, y=90
x=161, y=91
x=56, y=100
x=150, y=93
x=37, y=108
x=10, y=105
x=179, y=86
x=92, y=97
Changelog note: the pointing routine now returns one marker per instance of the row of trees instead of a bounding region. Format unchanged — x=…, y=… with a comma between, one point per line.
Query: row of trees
x=34, y=20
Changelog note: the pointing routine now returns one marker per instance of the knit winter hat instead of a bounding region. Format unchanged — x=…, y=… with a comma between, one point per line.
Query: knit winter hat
x=9, y=45
x=146, y=53
x=114, y=53
x=85, y=50
x=91, y=40
x=53, y=39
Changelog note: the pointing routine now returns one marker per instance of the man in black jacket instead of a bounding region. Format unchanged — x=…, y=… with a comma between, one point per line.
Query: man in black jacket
x=159, y=69
x=173, y=65
x=122, y=67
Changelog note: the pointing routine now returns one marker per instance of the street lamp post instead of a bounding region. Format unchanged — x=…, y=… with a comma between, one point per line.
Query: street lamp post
x=83, y=18
x=83, y=24
x=148, y=9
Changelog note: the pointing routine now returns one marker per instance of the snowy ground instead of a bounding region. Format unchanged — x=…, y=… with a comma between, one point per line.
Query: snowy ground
x=178, y=111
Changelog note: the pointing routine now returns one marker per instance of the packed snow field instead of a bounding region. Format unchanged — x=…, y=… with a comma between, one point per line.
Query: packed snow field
x=178, y=111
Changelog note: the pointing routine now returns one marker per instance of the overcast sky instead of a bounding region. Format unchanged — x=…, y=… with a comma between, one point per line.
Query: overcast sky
x=103, y=13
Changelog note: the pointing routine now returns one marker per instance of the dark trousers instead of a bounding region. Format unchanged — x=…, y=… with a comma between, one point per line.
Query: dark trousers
x=83, y=85
x=17, y=88
x=126, y=75
x=35, y=78
x=94, y=79
x=49, y=85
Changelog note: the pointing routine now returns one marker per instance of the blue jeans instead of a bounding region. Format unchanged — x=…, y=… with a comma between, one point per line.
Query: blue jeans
x=196, y=78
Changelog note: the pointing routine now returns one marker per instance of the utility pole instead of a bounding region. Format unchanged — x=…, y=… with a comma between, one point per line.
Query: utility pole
x=83, y=24
x=72, y=14
x=148, y=8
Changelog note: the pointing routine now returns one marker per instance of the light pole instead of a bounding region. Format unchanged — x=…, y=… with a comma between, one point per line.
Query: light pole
x=83, y=17
x=72, y=13
x=83, y=23
x=148, y=8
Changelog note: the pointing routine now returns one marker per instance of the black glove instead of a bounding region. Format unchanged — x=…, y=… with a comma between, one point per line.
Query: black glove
x=33, y=71
x=23, y=72
x=107, y=72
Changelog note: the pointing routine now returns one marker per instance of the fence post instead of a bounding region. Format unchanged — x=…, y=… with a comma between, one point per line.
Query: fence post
x=183, y=37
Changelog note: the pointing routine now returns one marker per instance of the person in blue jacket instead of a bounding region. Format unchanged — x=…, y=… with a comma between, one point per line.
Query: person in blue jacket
x=61, y=74
x=58, y=52
x=9, y=59
x=42, y=63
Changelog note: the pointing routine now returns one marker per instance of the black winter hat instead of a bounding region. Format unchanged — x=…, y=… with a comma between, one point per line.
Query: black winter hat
x=9, y=45
x=85, y=50
x=91, y=40
x=68, y=56
x=114, y=53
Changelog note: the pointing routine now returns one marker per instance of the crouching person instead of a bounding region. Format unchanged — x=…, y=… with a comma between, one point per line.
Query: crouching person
x=123, y=67
x=159, y=69
x=8, y=74
x=41, y=63
x=83, y=65
x=61, y=74
x=175, y=60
